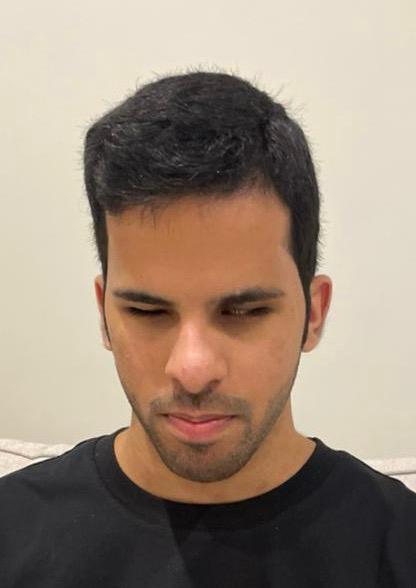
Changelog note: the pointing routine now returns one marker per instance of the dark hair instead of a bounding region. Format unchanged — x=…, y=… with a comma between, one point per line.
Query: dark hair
x=201, y=133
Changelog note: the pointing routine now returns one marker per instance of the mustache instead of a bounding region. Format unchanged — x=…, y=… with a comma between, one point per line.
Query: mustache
x=204, y=401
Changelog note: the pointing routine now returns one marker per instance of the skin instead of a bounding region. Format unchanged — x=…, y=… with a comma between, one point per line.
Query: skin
x=201, y=357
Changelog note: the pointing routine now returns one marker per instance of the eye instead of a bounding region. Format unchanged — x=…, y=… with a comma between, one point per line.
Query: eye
x=138, y=311
x=248, y=312
x=233, y=311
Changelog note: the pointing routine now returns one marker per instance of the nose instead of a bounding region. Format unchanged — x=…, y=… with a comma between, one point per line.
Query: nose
x=195, y=361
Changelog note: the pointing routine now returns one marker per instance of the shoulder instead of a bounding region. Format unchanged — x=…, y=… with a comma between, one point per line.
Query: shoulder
x=44, y=501
x=395, y=504
x=381, y=501
x=47, y=476
x=389, y=489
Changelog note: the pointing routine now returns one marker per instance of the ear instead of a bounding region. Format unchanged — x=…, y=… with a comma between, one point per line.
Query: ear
x=99, y=294
x=320, y=292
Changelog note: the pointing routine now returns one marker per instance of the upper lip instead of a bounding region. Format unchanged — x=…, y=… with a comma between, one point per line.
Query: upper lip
x=197, y=418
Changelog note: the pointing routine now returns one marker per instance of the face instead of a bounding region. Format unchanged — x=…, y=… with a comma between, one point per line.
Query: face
x=199, y=351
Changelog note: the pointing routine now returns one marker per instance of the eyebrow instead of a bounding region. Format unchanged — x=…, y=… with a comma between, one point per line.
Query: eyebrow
x=253, y=294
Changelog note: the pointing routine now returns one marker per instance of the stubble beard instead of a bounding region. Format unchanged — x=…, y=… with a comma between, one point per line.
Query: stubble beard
x=216, y=461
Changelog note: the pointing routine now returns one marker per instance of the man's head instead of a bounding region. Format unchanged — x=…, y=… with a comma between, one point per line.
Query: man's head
x=207, y=135
x=206, y=214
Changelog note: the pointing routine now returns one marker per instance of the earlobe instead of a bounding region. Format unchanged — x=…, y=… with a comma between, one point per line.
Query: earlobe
x=99, y=295
x=320, y=292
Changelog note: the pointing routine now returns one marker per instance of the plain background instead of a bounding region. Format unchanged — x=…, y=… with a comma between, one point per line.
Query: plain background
x=346, y=71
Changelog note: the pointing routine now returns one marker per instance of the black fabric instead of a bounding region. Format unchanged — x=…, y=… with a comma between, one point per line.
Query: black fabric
x=77, y=521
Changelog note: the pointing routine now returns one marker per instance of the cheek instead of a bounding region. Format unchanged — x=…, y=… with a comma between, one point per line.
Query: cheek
x=129, y=349
x=268, y=366
x=271, y=362
x=136, y=362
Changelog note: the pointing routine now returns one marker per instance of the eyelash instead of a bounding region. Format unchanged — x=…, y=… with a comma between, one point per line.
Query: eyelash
x=241, y=314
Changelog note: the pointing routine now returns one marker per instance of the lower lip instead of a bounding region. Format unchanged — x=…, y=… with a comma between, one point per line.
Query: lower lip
x=202, y=431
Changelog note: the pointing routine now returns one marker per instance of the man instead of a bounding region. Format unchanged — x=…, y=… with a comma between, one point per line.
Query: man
x=206, y=217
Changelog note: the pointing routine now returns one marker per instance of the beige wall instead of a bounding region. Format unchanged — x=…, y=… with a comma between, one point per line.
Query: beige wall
x=347, y=72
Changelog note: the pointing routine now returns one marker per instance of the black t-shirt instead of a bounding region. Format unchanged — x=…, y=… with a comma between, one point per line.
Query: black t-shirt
x=77, y=521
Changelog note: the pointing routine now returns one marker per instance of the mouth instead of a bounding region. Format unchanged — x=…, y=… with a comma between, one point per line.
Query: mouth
x=201, y=428
x=198, y=418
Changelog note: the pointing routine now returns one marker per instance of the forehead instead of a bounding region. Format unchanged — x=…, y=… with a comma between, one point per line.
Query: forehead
x=196, y=239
